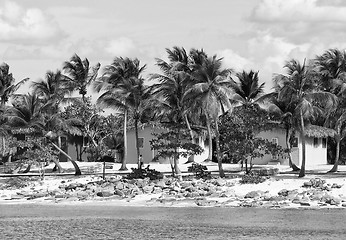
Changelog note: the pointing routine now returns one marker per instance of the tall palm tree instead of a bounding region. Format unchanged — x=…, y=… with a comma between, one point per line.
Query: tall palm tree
x=285, y=110
x=248, y=90
x=305, y=97
x=7, y=84
x=124, y=90
x=212, y=89
x=80, y=74
x=331, y=67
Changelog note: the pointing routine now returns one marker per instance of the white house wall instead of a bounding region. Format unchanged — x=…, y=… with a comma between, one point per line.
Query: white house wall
x=149, y=154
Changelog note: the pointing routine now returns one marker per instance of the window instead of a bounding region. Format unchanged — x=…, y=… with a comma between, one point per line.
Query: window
x=316, y=142
x=324, y=142
x=140, y=142
x=294, y=142
x=275, y=141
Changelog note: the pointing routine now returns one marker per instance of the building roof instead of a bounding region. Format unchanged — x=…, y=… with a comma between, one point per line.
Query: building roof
x=319, y=132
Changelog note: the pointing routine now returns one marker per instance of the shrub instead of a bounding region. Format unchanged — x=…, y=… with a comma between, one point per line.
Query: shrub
x=142, y=173
x=252, y=178
x=199, y=170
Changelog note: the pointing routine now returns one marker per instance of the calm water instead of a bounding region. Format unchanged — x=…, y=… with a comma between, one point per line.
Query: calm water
x=109, y=222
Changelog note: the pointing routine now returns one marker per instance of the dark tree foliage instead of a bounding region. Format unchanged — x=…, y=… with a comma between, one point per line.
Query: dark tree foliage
x=174, y=143
x=238, y=131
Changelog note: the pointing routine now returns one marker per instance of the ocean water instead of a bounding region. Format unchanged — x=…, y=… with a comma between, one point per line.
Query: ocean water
x=29, y=221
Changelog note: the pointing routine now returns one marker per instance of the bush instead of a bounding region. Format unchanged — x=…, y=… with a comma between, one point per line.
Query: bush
x=199, y=170
x=142, y=173
x=252, y=178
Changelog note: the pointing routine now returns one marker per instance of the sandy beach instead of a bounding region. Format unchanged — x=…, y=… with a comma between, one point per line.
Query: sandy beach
x=285, y=190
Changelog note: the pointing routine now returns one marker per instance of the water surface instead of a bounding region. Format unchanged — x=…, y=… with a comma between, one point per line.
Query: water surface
x=29, y=221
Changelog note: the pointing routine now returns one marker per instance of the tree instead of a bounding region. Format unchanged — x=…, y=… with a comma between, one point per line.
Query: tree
x=301, y=91
x=124, y=90
x=331, y=67
x=172, y=144
x=248, y=90
x=7, y=84
x=238, y=135
x=79, y=74
x=211, y=90
x=285, y=112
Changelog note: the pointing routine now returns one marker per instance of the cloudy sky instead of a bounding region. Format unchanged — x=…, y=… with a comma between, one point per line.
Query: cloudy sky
x=39, y=35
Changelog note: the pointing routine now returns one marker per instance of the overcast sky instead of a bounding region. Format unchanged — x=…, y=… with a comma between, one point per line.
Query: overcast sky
x=39, y=35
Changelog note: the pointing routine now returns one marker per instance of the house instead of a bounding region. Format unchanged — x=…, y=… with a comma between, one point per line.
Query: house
x=315, y=146
x=145, y=135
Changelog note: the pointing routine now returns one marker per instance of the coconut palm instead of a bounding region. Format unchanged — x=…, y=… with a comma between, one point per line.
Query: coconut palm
x=211, y=90
x=124, y=90
x=7, y=84
x=301, y=92
x=248, y=90
x=331, y=67
x=285, y=112
x=80, y=74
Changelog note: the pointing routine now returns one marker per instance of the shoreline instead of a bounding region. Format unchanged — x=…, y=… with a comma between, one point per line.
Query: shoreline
x=283, y=191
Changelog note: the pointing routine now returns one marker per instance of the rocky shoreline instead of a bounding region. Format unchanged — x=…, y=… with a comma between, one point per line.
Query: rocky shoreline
x=216, y=192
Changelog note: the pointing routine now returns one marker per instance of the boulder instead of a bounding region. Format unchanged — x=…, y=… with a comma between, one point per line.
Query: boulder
x=254, y=194
x=104, y=194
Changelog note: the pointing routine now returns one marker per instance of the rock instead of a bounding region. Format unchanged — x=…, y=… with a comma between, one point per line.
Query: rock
x=305, y=203
x=104, y=194
x=335, y=185
x=157, y=190
x=148, y=189
x=220, y=182
x=119, y=185
x=254, y=194
x=73, y=186
x=119, y=193
x=204, y=202
x=343, y=205
x=283, y=192
x=160, y=183
x=307, y=184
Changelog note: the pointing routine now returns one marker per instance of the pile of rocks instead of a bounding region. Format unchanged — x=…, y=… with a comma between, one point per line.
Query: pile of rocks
x=212, y=192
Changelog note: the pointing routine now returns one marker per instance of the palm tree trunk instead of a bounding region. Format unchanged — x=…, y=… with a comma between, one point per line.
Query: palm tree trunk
x=123, y=161
x=137, y=145
x=219, y=159
x=302, y=133
x=289, y=151
x=75, y=165
x=176, y=157
x=192, y=157
x=337, y=155
x=210, y=156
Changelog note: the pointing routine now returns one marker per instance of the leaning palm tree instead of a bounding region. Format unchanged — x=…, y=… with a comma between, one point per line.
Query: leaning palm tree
x=302, y=93
x=124, y=90
x=80, y=74
x=211, y=89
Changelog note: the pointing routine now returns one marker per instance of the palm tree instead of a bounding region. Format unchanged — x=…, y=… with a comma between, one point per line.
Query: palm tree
x=248, y=90
x=211, y=89
x=124, y=90
x=168, y=101
x=80, y=74
x=7, y=84
x=331, y=67
x=286, y=114
x=301, y=92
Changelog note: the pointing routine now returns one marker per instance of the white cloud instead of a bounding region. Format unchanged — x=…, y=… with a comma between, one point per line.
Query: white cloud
x=26, y=25
x=120, y=47
x=234, y=60
x=297, y=10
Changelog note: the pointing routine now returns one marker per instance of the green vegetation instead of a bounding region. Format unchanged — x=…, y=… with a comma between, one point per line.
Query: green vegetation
x=193, y=95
